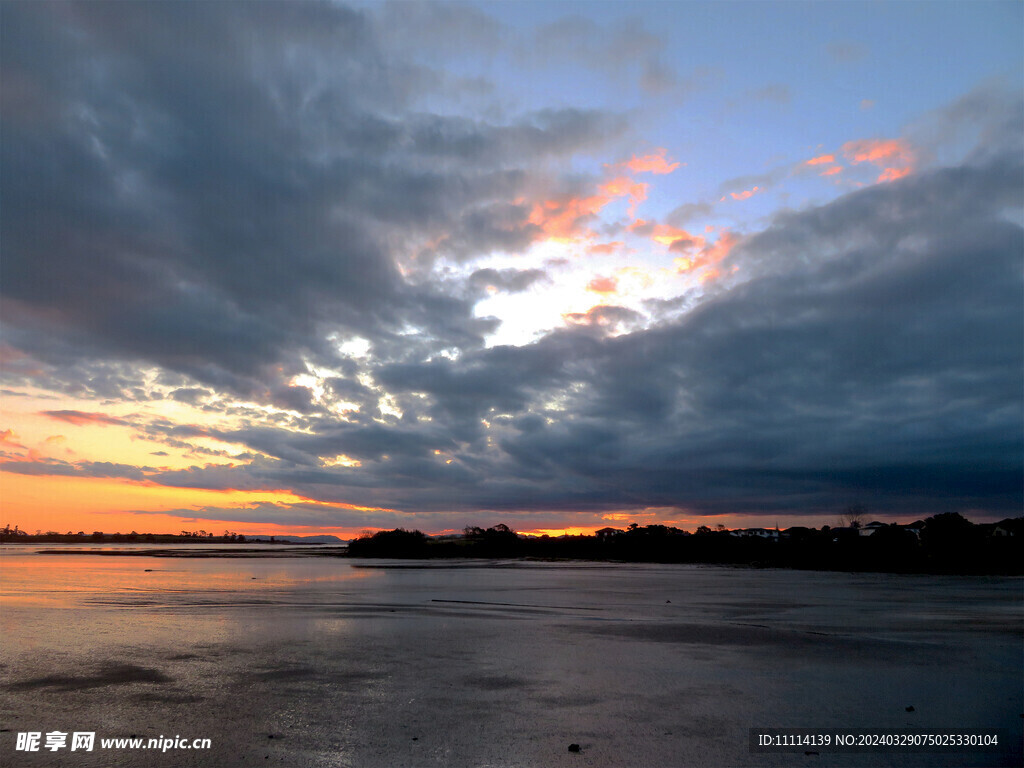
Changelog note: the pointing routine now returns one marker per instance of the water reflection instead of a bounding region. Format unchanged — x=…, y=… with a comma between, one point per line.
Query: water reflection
x=59, y=607
x=342, y=658
x=71, y=579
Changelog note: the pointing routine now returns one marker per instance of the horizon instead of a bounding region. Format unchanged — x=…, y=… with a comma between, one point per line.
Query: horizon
x=450, y=532
x=325, y=268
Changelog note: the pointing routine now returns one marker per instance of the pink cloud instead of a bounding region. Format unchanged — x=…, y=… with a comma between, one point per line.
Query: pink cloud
x=652, y=163
x=603, y=316
x=820, y=159
x=709, y=257
x=605, y=249
x=565, y=219
x=891, y=174
x=895, y=156
x=745, y=194
x=8, y=437
x=665, y=234
x=878, y=151
x=603, y=285
x=623, y=186
x=81, y=418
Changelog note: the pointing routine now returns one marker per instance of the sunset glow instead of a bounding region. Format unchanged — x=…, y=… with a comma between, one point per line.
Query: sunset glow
x=504, y=262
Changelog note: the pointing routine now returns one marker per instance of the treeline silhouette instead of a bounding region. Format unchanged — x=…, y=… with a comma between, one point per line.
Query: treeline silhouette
x=945, y=543
x=14, y=535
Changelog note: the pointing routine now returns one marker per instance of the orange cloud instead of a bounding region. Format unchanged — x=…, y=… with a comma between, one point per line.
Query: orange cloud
x=825, y=160
x=603, y=316
x=895, y=156
x=721, y=247
x=821, y=159
x=603, y=285
x=711, y=274
x=605, y=249
x=709, y=257
x=81, y=418
x=878, y=151
x=564, y=220
x=891, y=174
x=9, y=439
x=746, y=194
x=623, y=186
x=653, y=163
x=665, y=234
x=638, y=276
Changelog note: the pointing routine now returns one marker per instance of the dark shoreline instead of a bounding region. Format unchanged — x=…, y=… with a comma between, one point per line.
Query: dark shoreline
x=947, y=544
x=942, y=544
x=240, y=552
x=1003, y=569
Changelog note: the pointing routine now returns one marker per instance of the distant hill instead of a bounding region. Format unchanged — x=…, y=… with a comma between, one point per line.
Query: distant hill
x=299, y=539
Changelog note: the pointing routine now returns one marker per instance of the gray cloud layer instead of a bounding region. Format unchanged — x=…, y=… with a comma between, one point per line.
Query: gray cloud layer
x=215, y=188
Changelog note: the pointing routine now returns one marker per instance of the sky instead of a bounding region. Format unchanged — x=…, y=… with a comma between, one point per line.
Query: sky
x=328, y=268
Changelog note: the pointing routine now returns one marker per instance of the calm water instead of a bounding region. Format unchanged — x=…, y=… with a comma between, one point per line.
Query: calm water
x=324, y=661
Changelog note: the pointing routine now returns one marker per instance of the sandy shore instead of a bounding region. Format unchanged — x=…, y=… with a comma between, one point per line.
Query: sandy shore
x=320, y=662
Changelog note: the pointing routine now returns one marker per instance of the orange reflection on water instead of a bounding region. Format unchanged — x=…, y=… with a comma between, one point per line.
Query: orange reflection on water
x=77, y=580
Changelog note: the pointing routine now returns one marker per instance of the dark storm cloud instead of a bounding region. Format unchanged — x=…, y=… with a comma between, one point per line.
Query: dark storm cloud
x=507, y=280
x=503, y=379
x=95, y=469
x=213, y=187
x=82, y=417
x=985, y=115
x=542, y=133
x=875, y=355
x=190, y=395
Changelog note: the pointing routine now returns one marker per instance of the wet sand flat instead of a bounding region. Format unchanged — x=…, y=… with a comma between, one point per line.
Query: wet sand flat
x=336, y=662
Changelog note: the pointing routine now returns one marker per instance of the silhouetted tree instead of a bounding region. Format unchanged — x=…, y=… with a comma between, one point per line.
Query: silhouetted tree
x=949, y=530
x=396, y=543
x=853, y=516
x=496, y=541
